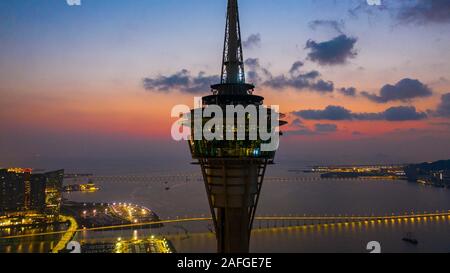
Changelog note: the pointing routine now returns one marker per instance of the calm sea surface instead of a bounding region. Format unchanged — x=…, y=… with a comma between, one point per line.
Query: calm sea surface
x=323, y=197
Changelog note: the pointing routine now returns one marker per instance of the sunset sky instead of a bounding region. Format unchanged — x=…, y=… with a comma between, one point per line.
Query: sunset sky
x=359, y=83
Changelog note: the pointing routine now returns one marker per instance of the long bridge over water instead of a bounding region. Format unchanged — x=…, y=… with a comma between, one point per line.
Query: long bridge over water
x=199, y=178
x=272, y=221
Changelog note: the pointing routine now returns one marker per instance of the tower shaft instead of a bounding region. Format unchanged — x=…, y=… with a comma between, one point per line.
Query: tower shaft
x=233, y=187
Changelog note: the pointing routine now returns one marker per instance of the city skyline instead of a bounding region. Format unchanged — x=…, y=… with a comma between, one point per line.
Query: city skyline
x=358, y=82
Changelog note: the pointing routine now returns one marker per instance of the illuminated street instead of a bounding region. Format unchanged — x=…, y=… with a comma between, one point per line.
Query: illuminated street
x=132, y=213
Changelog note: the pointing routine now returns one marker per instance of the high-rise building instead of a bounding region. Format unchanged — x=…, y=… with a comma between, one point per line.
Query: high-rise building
x=53, y=192
x=12, y=190
x=37, y=193
x=23, y=191
x=233, y=170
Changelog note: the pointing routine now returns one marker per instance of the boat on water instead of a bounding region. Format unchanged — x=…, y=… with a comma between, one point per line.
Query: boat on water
x=409, y=238
x=89, y=187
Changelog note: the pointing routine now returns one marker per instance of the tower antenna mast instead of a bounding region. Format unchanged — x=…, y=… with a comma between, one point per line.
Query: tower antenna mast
x=233, y=60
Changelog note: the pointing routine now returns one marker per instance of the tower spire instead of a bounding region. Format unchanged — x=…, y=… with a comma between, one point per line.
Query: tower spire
x=233, y=63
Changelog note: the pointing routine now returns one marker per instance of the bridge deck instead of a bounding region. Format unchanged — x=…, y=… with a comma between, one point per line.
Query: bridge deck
x=321, y=219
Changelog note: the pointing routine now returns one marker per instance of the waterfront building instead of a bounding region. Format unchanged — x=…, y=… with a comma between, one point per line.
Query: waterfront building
x=22, y=191
x=12, y=190
x=53, y=192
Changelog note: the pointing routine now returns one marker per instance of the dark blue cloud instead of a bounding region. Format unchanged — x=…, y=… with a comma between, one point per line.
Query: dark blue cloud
x=256, y=73
x=326, y=128
x=339, y=113
x=443, y=109
x=404, y=90
x=296, y=79
x=403, y=113
x=323, y=86
x=297, y=123
x=349, y=92
x=319, y=129
x=333, y=52
x=295, y=68
x=331, y=112
x=408, y=11
x=252, y=41
x=332, y=24
x=181, y=81
x=425, y=12
x=301, y=82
